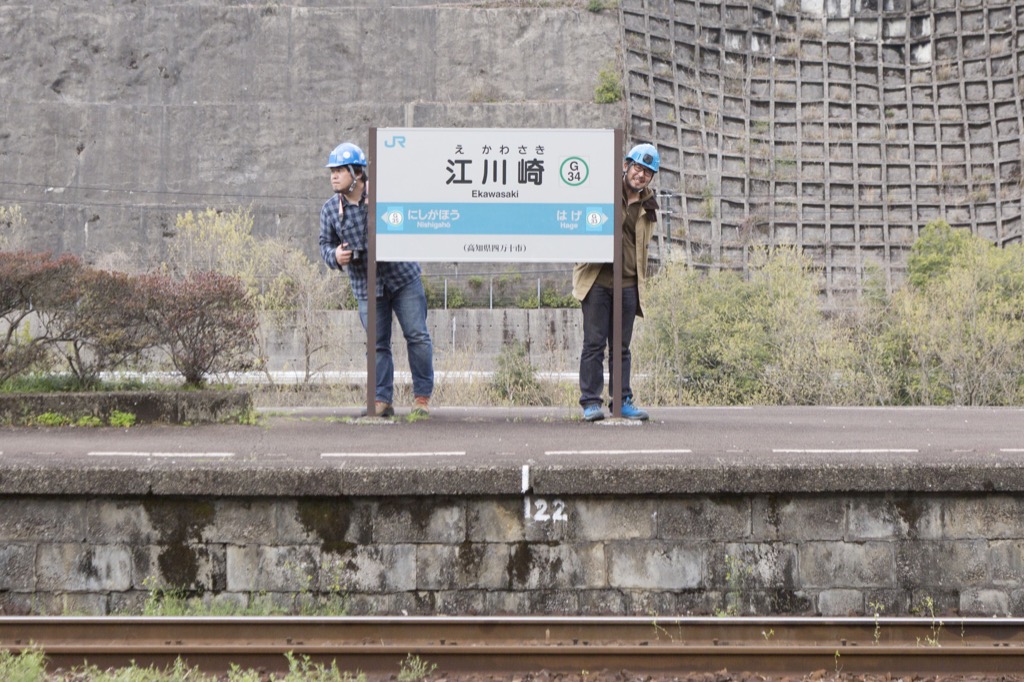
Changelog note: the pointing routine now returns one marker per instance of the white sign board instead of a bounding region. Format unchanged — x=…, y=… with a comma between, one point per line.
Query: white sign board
x=498, y=195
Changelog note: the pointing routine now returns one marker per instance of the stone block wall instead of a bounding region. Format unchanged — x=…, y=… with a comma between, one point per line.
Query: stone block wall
x=832, y=555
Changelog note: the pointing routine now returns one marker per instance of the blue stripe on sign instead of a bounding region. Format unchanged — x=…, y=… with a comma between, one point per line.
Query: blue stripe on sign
x=494, y=218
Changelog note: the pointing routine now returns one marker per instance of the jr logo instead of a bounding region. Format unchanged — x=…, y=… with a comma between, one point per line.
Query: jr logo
x=396, y=140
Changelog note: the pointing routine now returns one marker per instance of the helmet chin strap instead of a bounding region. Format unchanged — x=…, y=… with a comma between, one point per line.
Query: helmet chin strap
x=355, y=180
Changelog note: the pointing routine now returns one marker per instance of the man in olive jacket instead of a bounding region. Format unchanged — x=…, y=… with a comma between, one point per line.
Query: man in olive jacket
x=593, y=285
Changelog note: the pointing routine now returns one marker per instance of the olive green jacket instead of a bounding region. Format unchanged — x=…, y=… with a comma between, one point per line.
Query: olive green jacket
x=585, y=274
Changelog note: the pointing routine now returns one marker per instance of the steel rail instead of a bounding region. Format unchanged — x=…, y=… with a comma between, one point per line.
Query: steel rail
x=525, y=644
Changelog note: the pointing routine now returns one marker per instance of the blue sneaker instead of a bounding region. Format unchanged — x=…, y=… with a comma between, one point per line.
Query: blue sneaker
x=631, y=411
x=593, y=413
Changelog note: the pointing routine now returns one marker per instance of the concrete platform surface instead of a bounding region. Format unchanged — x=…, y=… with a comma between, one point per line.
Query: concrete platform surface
x=497, y=451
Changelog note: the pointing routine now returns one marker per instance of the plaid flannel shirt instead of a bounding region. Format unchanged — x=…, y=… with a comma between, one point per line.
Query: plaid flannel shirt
x=349, y=226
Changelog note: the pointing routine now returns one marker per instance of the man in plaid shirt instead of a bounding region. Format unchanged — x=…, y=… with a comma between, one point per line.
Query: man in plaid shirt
x=343, y=243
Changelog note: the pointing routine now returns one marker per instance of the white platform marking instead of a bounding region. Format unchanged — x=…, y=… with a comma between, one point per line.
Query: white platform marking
x=452, y=453
x=194, y=454
x=554, y=453
x=190, y=455
x=118, y=454
x=871, y=451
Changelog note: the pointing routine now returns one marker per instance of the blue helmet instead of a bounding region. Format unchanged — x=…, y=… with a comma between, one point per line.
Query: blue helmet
x=646, y=155
x=346, y=154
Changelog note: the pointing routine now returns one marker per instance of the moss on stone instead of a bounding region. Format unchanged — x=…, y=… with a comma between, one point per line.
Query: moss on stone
x=329, y=520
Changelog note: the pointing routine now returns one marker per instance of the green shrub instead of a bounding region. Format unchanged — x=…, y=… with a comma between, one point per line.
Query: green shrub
x=27, y=666
x=958, y=330
x=934, y=252
x=239, y=674
x=121, y=419
x=879, y=358
x=609, y=86
x=810, y=359
x=414, y=669
x=550, y=297
x=698, y=344
x=436, y=294
x=515, y=380
x=214, y=240
x=301, y=668
x=88, y=420
x=52, y=419
x=718, y=339
x=954, y=335
x=456, y=298
x=179, y=671
x=527, y=302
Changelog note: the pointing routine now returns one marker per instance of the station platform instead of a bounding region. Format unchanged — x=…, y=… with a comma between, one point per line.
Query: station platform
x=509, y=451
x=489, y=511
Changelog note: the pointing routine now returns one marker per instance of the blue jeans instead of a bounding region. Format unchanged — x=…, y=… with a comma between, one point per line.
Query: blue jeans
x=409, y=305
x=597, y=335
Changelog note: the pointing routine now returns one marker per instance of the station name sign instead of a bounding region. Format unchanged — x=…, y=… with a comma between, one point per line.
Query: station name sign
x=499, y=195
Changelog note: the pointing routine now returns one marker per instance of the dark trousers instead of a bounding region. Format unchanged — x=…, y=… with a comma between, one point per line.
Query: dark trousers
x=409, y=306
x=597, y=335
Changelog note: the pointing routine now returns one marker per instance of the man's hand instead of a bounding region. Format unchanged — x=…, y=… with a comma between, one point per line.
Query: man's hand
x=343, y=254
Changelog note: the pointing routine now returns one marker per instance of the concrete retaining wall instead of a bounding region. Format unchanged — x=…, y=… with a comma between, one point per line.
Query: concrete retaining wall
x=464, y=339
x=169, y=407
x=116, y=117
x=834, y=554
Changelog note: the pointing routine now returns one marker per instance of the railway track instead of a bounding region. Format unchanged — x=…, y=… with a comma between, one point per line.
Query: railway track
x=511, y=645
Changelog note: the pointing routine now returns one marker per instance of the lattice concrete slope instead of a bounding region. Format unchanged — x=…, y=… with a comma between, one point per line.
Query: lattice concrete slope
x=841, y=126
